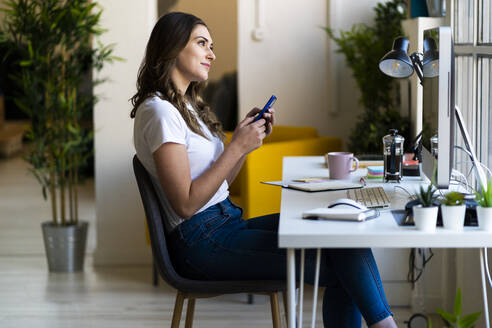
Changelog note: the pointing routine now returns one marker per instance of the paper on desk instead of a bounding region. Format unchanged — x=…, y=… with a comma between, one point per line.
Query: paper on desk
x=315, y=184
x=284, y=184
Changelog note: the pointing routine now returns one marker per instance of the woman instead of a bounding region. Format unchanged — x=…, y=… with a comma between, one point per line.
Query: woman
x=179, y=141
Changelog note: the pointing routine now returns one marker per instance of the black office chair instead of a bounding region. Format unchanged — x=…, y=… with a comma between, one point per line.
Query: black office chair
x=187, y=288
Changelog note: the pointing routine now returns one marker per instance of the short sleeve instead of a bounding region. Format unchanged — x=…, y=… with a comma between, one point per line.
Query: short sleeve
x=163, y=124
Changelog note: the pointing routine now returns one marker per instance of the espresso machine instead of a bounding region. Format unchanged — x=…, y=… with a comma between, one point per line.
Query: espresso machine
x=393, y=156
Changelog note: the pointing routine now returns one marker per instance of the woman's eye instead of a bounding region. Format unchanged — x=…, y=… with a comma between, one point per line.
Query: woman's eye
x=202, y=43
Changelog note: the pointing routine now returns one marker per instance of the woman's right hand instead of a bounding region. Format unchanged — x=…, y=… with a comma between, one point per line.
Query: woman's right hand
x=249, y=135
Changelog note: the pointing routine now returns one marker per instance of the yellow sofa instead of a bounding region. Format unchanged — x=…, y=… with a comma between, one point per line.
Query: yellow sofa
x=265, y=164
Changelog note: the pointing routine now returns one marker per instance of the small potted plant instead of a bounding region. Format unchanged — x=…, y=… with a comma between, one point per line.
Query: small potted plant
x=453, y=211
x=425, y=214
x=484, y=208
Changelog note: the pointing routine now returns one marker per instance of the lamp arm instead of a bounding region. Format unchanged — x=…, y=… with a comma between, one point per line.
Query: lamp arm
x=417, y=65
x=417, y=147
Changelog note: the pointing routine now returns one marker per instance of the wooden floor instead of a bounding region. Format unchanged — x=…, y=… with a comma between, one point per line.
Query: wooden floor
x=118, y=297
x=100, y=296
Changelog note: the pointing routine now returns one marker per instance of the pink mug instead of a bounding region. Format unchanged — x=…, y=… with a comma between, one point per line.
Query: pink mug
x=340, y=164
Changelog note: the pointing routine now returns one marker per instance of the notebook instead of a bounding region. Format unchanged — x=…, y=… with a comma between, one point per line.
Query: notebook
x=344, y=214
x=324, y=186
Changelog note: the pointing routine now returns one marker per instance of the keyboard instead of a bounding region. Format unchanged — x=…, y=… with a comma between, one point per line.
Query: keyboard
x=372, y=197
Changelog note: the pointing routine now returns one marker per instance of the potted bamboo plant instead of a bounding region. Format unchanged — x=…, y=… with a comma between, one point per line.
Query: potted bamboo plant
x=55, y=41
x=484, y=208
x=425, y=214
x=453, y=211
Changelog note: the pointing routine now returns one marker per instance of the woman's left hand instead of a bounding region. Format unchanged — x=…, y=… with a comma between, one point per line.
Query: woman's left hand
x=269, y=116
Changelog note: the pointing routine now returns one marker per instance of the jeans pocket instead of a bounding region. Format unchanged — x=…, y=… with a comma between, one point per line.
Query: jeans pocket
x=238, y=208
x=212, y=224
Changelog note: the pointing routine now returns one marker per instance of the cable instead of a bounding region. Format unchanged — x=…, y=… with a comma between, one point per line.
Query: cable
x=464, y=184
x=415, y=272
x=471, y=157
x=410, y=195
x=467, y=185
x=487, y=266
x=473, y=165
x=485, y=167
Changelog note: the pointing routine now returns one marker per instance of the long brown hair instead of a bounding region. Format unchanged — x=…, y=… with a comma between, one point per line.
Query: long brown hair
x=169, y=36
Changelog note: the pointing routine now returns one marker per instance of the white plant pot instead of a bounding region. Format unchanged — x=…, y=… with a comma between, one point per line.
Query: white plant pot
x=453, y=217
x=425, y=218
x=484, y=216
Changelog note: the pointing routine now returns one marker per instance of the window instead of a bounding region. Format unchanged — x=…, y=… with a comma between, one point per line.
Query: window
x=471, y=21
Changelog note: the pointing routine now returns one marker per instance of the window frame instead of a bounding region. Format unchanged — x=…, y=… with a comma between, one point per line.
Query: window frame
x=479, y=52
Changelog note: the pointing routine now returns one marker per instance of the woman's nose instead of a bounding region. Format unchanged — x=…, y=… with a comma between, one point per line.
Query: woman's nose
x=211, y=55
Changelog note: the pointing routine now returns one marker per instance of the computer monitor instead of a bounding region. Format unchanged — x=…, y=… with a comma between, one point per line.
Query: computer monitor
x=438, y=106
x=440, y=111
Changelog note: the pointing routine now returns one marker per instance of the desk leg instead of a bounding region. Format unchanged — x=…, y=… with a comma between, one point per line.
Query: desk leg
x=484, y=289
x=315, y=287
x=291, y=286
x=301, y=289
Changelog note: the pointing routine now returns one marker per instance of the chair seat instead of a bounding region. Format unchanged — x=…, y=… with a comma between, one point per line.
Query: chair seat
x=229, y=286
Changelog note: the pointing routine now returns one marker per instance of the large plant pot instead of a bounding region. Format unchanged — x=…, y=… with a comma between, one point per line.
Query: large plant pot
x=425, y=218
x=453, y=217
x=484, y=216
x=65, y=246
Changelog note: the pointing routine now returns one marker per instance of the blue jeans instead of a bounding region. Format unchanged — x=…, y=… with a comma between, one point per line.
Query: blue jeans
x=217, y=244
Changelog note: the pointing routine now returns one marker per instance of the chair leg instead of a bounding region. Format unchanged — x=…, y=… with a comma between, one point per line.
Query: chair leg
x=275, y=310
x=155, y=274
x=190, y=311
x=178, y=308
x=286, y=308
x=251, y=299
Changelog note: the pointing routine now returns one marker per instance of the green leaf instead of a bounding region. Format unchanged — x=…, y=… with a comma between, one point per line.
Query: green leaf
x=457, y=303
x=451, y=318
x=468, y=320
x=25, y=63
x=29, y=48
x=453, y=198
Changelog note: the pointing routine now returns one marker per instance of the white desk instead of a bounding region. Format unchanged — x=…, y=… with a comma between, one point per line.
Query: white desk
x=295, y=233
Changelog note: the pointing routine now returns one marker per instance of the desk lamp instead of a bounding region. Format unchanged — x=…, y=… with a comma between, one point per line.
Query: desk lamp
x=397, y=63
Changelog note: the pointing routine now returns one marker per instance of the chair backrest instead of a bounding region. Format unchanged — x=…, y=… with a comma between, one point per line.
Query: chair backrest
x=155, y=221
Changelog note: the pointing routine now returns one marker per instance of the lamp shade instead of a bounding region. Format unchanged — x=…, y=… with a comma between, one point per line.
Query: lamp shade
x=430, y=61
x=396, y=63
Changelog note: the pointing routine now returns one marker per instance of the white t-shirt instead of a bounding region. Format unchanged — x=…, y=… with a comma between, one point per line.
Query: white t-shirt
x=157, y=122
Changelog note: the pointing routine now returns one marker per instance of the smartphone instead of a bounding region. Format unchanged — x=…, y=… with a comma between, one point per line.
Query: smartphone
x=268, y=105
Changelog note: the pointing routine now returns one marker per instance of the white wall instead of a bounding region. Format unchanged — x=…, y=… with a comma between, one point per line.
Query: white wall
x=290, y=62
x=343, y=88
x=297, y=62
x=120, y=220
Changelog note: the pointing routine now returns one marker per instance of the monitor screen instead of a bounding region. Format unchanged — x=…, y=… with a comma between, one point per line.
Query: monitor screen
x=438, y=106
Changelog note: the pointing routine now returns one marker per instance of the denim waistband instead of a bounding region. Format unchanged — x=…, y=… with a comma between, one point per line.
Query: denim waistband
x=208, y=219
